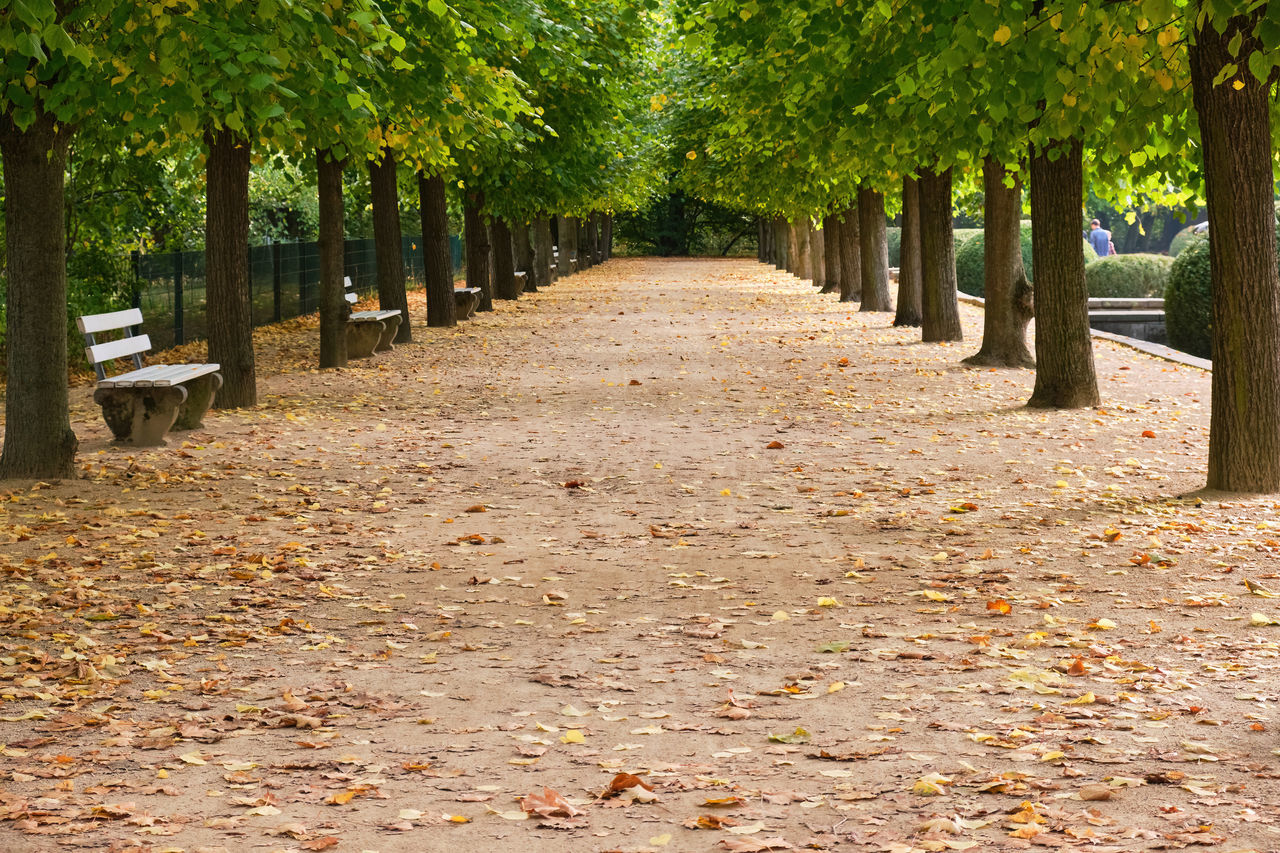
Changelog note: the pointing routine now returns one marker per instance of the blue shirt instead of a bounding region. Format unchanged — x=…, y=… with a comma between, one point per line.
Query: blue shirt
x=1100, y=240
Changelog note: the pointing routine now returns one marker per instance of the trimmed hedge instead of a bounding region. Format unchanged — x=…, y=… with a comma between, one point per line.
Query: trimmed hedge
x=959, y=236
x=971, y=262
x=1181, y=240
x=1188, y=300
x=1131, y=276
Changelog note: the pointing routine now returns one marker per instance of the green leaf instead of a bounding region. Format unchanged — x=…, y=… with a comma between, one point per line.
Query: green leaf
x=438, y=7
x=798, y=736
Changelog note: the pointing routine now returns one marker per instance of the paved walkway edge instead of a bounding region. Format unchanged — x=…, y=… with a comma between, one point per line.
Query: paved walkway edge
x=1157, y=350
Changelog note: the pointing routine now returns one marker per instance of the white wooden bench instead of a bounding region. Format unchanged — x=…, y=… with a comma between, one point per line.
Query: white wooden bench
x=522, y=281
x=142, y=405
x=369, y=331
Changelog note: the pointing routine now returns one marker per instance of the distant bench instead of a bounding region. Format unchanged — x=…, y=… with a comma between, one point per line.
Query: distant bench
x=142, y=405
x=369, y=331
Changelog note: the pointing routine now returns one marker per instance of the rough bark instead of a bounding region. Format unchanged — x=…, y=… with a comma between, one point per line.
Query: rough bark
x=1244, y=429
x=568, y=244
x=818, y=256
x=437, y=259
x=940, y=309
x=542, y=251
x=333, y=304
x=873, y=235
x=762, y=248
x=524, y=255
x=910, y=273
x=606, y=234
x=504, y=260
x=1007, y=293
x=781, y=243
x=831, y=253
x=1065, y=377
x=478, y=246
x=226, y=251
x=384, y=193
x=798, y=249
x=38, y=440
x=850, y=255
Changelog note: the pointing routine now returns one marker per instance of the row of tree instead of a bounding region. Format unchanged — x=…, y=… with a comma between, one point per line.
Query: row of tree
x=818, y=111
x=533, y=108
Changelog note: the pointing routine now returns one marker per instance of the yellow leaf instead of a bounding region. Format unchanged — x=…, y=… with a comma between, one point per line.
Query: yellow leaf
x=780, y=616
x=573, y=736
x=661, y=840
x=1002, y=34
x=835, y=687
x=828, y=601
x=456, y=818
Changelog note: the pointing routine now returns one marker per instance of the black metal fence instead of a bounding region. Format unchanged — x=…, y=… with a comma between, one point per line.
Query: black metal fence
x=283, y=283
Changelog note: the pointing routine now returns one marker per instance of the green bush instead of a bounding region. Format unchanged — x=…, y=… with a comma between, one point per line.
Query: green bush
x=1181, y=240
x=959, y=236
x=1128, y=276
x=1188, y=300
x=971, y=265
x=971, y=262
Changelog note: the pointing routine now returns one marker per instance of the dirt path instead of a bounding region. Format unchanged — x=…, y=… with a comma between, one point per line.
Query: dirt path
x=803, y=576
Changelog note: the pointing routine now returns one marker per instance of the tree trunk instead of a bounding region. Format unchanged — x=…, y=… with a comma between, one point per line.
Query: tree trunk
x=1244, y=430
x=606, y=234
x=565, y=229
x=479, y=249
x=504, y=260
x=333, y=304
x=798, y=249
x=524, y=255
x=781, y=243
x=570, y=237
x=818, y=256
x=762, y=249
x=1065, y=377
x=437, y=258
x=941, y=312
x=910, y=272
x=541, y=272
x=226, y=250
x=385, y=195
x=38, y=440
x=831, y=253
x=850, y=255
x=589, y=240
x=873, y=234
x=1008, y=296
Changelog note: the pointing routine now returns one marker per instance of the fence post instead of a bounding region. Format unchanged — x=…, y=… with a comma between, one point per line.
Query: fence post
x=179, y=337
x=275, y=281
x=136, y=257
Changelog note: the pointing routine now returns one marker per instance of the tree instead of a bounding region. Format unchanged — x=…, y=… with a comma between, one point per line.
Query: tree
x=1232, y=73
x=53, y=80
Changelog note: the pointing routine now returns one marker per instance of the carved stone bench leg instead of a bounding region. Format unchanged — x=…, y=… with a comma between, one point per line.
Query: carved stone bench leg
x=388, y=334
x=465, y=304
x=363, y=337
x=140, y=416
x=200, y=393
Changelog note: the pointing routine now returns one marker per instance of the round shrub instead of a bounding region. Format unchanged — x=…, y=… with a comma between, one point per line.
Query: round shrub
x=1128, y=276
x=1188, y=300
x=971, y=262
x=959, y=236
x=1181, y=240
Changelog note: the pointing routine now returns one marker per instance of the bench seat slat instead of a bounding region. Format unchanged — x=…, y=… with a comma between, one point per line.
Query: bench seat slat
x=91, y=324
x=117, y=349
x=158, y=375
x=375, y=315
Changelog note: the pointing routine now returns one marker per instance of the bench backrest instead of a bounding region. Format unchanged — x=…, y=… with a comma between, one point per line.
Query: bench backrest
x=131, y=344
x=350, y=288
